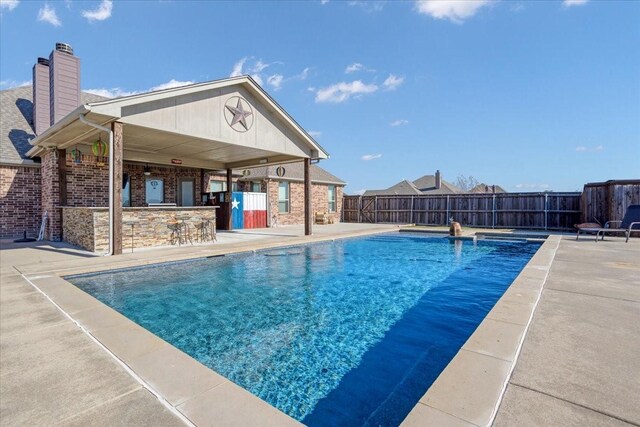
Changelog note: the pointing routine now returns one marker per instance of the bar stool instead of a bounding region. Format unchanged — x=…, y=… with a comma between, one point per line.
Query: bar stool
x=176, y=231
x=210, y=224
x=202, y=229
x=185, y=227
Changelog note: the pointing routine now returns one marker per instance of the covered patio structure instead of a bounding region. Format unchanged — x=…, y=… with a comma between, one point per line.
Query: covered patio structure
x=102, y=155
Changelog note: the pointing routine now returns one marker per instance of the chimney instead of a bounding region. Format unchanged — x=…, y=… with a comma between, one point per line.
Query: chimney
x=41, y=107
x=438, y=180
x=64, y=82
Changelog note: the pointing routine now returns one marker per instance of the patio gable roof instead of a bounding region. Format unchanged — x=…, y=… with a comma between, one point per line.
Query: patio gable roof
x=199, y=125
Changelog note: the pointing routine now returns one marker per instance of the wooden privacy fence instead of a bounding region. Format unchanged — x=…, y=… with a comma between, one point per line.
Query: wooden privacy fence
x=608, y=201
x=547, y=211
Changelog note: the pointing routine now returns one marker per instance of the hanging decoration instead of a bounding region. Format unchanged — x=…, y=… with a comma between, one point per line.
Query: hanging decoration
x=100, y=151
x=76, y=155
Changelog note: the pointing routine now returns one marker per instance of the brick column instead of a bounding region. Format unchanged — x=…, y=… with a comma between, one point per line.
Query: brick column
x=50, y=200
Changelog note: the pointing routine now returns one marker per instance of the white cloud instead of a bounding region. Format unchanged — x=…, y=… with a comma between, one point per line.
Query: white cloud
x=569, y=3
x=323, y=2
x=9, y=4
x=368, y=157
x=171, y=84
x=315, y=133
x=117, y=92
x=237, y=67
x=583, y=149
x=48, y=14
x=392, y=82
x=454, y=10
x=10, y=84
x=275, y=81
x=356, y=66
x=399, y=122
x=101, y=13
x=368, y=5
x=304, y=74
x=341, y=92
x=532, y=186
x=246, y=65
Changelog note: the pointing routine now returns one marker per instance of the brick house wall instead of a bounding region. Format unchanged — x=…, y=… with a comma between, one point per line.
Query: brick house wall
x=295, y=216
x=20, y=208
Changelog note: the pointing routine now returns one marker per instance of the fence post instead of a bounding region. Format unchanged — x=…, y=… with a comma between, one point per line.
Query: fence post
x=493, y=212
x=411, y=218
x=546, y=209
x=375, y=210
x=446, y=219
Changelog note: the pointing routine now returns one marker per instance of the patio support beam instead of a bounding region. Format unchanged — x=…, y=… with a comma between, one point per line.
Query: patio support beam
x=307, y=197
x=228, y=198
x=116, y=187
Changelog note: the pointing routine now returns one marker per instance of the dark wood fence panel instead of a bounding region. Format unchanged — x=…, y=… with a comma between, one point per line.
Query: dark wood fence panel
x=552, y=211
x=608, y=201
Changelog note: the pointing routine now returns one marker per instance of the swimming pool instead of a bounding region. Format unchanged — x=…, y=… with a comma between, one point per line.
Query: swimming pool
x=351, y=332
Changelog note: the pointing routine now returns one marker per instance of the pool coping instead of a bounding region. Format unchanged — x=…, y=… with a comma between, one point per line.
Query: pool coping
x=198, y=394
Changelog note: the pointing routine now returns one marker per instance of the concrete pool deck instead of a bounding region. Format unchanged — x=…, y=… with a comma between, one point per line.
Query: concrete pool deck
x=58, y=370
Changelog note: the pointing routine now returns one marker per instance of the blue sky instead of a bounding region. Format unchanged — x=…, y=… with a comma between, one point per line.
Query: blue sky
x=529, y=95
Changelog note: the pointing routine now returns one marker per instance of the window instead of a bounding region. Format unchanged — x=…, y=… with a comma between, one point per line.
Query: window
x=219, y=186
x=283, y=197
x=154, y=190
x=332, y=198
x=126, y=190
x=256, y=187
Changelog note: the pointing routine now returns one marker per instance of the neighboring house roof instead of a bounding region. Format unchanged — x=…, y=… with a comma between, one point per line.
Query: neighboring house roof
x=484, y=188
x=427, y=185
x=292, y=172
x=403, y=188
x=16, y=121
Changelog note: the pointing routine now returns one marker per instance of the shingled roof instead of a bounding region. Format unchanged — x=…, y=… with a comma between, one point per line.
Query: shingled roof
x=16, y=123
x=427, y=185
x=484, y=188
x=403, y=188
x=292, y=172
x=421, y=186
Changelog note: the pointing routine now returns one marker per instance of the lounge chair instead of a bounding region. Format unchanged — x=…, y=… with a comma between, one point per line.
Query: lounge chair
x=630, y=222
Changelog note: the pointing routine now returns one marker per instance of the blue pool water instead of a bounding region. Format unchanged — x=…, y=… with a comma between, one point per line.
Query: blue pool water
x=351, y=332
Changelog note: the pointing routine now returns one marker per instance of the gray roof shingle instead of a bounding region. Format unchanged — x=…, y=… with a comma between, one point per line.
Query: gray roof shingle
x=16, y=123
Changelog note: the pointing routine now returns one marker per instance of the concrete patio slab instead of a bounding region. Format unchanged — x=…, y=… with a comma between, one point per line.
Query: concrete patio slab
x=579, y=363
x=584, y=349
x=138, y=408
x=526, y=408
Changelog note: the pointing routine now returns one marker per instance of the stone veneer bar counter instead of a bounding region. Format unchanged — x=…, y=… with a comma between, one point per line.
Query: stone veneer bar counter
x=89, y=227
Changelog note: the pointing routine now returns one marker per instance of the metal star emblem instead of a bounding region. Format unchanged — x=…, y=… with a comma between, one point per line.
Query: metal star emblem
x=234, y=204
x=239, y=115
